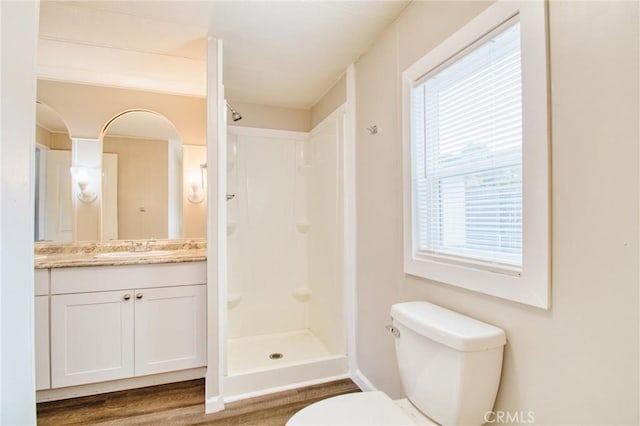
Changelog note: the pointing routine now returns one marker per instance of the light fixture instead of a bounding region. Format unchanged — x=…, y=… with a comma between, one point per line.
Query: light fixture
x=81, y=175
x=196, y=183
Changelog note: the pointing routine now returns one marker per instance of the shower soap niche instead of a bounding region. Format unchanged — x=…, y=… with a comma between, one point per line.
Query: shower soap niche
x=233, y=299
x=303, y=227
x=303, y=294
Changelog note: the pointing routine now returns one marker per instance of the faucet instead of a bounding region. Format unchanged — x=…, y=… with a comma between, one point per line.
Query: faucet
x=140, y=246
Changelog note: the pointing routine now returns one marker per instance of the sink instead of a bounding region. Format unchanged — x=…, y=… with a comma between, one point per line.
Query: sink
x=132, y=254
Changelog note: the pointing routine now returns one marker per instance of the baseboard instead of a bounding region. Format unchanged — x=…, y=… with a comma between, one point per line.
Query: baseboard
x=363, y=383
x=213, y=405
x=118, y=385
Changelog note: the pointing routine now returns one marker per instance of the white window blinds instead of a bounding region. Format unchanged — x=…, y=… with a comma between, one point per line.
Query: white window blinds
x=466, y=124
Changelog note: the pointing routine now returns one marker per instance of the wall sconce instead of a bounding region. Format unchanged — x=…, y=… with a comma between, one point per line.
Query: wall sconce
x=196, y=195
x=81, y=176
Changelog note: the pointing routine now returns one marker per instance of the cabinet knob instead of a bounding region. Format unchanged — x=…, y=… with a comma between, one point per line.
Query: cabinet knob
x=139, y=296
x=126, y=296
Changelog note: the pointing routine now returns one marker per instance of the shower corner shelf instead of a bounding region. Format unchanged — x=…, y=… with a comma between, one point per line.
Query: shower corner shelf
x=304, y=169
x=231, y=226
x=233, y=299
x=303, y=294
x=303, y=227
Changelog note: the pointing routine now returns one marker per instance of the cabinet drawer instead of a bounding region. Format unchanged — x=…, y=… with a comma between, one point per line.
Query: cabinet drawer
x=109, y=278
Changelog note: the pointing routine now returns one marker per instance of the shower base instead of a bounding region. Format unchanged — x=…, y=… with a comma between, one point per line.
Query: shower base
x=268, y=363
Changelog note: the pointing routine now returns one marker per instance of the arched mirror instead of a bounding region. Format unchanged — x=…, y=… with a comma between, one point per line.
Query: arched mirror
x=142, y=178
x=53, y=219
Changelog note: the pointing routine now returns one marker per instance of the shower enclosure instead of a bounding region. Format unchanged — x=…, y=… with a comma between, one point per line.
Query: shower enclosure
x=285, y=308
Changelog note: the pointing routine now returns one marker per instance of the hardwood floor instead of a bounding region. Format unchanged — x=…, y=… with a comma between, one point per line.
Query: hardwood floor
x=183, y=404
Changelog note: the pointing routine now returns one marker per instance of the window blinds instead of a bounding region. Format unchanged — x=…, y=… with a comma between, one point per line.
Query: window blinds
x=467, y=154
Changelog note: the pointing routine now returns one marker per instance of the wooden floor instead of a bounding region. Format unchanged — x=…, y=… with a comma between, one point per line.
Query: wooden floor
x=183, y=404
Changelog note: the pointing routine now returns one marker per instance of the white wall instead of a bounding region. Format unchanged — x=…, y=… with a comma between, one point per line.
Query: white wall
x=332, y=100
x=270, y=117
x=216, y=217
x=578, y=362
x=18, y=37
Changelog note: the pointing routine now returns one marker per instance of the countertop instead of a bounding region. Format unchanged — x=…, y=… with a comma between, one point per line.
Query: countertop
x=66, y=255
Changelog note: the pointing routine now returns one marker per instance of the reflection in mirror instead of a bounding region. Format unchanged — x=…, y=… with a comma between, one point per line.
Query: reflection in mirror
x=53, y=206
x=142, y=178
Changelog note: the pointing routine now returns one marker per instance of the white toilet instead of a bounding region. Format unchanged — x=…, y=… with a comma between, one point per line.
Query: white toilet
x=450, y=369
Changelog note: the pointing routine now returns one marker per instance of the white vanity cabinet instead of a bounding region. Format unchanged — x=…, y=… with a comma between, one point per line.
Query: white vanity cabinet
x=117, y=322
x=170, y=329
x=91, y=337
x=41, y=310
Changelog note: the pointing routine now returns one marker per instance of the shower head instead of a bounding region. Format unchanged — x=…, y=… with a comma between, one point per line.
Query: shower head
x=235, y=115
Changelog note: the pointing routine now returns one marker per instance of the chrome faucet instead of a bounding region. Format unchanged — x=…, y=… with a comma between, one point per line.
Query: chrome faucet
x=140, y=246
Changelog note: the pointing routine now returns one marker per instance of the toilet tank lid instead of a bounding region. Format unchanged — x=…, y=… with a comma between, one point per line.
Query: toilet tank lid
x=448, y=327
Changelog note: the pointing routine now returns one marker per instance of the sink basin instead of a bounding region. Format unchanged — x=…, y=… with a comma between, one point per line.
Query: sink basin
x=132, y=254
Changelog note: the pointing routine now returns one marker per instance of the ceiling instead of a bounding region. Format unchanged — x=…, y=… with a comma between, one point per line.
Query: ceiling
x=137, y=124
x=281, y=53
x=142, y=124
x=49, y=119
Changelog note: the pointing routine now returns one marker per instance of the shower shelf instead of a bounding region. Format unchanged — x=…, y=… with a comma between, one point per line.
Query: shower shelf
x=303, y=227
x=233, y=299
x=231, y=226
x=302, y=294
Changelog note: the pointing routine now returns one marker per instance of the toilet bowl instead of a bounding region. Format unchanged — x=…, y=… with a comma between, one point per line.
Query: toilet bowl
x=449, y=365
x=362, y=408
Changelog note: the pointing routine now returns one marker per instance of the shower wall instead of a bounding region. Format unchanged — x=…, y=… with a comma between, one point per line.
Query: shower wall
x=285, y=232
x=267, y=255
x=325, y=244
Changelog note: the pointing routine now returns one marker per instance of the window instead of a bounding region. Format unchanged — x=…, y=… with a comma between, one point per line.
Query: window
x=476, y=165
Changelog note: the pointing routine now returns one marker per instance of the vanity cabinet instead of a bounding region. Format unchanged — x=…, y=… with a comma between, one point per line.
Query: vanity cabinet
x=170, y=329
x=41, y=310
x=91, y=337
x=129, y=321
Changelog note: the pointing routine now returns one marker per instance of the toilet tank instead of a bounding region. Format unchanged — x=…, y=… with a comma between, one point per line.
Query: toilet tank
x=449, y=364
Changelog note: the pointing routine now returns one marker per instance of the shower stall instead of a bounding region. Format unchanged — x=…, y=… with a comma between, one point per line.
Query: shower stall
x=285, y=289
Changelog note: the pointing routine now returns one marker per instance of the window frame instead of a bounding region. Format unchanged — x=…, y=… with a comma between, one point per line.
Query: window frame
x=531, y=286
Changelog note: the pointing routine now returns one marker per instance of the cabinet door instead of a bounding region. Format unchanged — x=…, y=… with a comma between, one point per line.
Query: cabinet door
x=170, y=329
x=43, y=377
x=91, y=337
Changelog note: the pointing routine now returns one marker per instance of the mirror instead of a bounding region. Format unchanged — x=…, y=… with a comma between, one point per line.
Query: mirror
x=119, y=191
x=142, y=178
x=53, y=219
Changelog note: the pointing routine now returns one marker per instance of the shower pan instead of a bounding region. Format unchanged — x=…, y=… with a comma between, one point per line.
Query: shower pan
x=285, y=307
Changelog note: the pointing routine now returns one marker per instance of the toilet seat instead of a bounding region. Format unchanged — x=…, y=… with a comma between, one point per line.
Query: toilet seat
x=361, y=408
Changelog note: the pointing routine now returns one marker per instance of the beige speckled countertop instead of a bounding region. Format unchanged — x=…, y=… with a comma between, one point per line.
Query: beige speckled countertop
x=65, y=255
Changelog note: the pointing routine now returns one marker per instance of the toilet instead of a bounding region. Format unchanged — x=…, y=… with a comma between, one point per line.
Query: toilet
x=449, y=366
